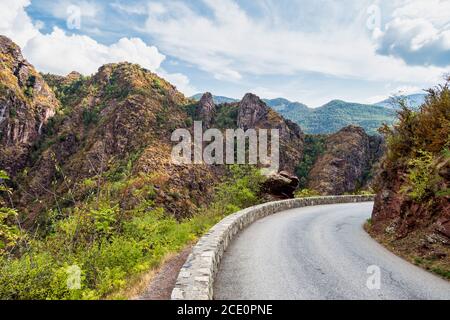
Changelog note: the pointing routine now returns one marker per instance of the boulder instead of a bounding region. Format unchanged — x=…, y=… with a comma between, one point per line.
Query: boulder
x=282, y=184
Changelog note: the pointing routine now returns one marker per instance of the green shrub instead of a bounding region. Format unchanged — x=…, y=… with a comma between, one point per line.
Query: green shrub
x=12, y=112
x=10, y=233
x=314, y=147
x=240, y=190
x=306, y=193
x=90, y=116
x=104, y=219
x=226, y=117
x=421, y=177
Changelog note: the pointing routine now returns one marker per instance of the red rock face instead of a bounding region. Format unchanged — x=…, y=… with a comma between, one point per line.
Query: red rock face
x=26, y=105
x=412, y=206
x=396, y=214
x=255, y=114
x=349, y=156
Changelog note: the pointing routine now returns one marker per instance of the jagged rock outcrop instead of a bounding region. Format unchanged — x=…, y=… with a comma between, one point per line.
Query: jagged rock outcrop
x=255, y=114
x=347, y=162
x=26, y=104
x=206, y=109
x=122, y=116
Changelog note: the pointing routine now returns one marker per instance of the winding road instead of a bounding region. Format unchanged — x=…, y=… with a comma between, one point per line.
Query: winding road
x=319, y=252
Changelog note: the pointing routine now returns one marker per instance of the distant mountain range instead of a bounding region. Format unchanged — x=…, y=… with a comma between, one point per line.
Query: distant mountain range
x=217, y=99
x=336, y=114
x=414, y=101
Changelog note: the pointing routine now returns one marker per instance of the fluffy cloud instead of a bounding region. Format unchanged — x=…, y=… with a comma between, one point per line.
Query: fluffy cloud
x=15, y=23
x=60, y=53
x=419, y=33
x=230, y=43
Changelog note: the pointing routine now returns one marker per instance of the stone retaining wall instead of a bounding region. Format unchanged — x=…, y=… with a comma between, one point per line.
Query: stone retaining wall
x=196, y=278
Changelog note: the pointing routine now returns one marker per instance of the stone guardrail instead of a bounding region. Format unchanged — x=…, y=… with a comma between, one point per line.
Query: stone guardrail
x=196, y=278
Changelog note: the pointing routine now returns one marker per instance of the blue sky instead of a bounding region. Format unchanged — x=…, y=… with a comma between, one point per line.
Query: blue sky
x=307, y=51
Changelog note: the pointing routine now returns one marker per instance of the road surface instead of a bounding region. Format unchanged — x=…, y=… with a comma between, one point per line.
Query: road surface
x=319, y=252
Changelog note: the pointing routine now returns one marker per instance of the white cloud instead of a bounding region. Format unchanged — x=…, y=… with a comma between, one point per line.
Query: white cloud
x=230, y=44
x=419, y=33
x=435, y=11
x=375, y=99
x=88, y=9
x=129, y=8
x=60, y=53
x=15, y=23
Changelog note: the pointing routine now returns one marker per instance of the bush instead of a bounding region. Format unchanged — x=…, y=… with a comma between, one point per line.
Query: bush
x=306, y=193
x=240, y=190
x=421, y=178
x=10, y=233
x=314, y=147
x=90, y=116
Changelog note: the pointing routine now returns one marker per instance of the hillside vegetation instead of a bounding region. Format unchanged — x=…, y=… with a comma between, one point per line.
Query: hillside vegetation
x=87, y=186
x=412, y=208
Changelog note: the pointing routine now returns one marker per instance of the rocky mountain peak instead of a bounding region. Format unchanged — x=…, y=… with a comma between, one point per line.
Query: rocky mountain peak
x=8, y=47
x=255, y=114
x=73, y=76
x=252, y=110
x=206, y=108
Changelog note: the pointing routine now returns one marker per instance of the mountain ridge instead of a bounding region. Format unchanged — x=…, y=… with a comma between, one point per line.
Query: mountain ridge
x=332, y=116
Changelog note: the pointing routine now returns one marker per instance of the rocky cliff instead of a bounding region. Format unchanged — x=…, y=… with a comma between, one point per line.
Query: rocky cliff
x=412, y=207
x=347, y=162
x=26, y=104
x=116, y=124
x=68, y=138
x=253, y=113
x=206, y=109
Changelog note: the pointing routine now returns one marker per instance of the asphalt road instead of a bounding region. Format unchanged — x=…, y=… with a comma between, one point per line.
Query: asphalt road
x=319, y=252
